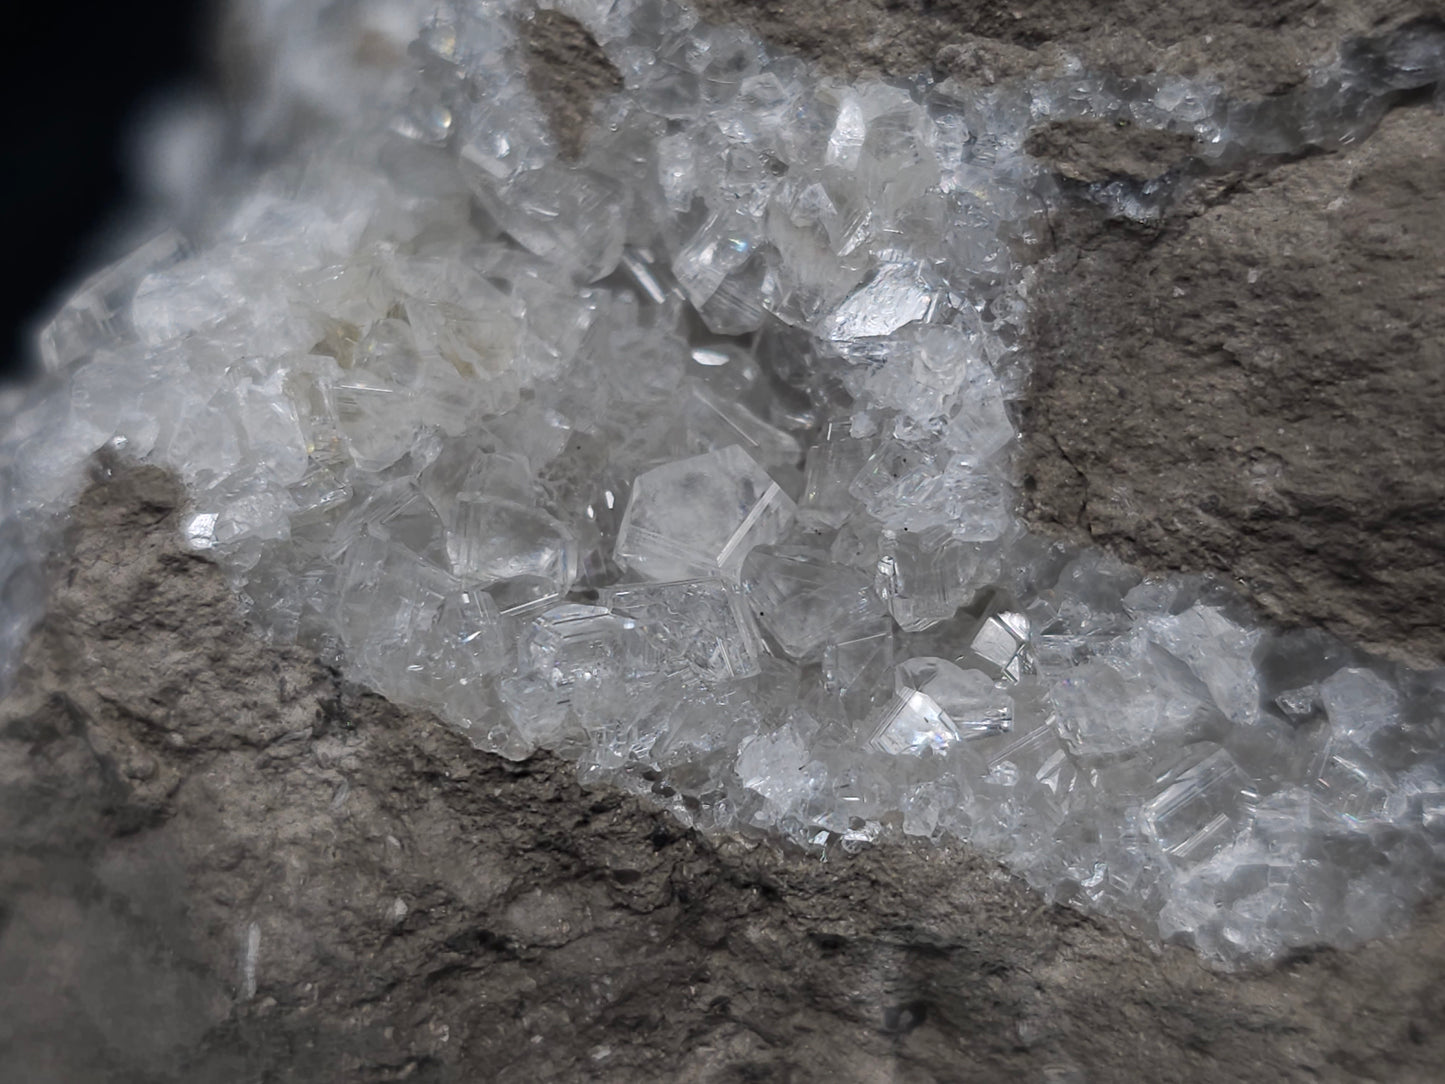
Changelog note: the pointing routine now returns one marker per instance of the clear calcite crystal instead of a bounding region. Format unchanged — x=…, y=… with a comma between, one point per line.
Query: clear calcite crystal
x=807, y=601
x=519, y=439
x=857, y=670
x=999, y=644
x=701, y=517
x=935, y=704
x=574, y=654
x=496, y=540
x=1200, y=806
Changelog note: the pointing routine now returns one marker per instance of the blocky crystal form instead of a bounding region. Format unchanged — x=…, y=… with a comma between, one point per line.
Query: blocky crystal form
x=1037, y=769
x=716, y=422
x=739, y=303
x=251, y=505
x=1219, y=652
x=1202, y=802
x=575, y=644
x=493, y=540
x=1299, y=704
x=1359, y=704
x=980, y=426
x=701, y=517
x=706, y=724
x=1349, y=784
x=721, y=246
x=271, y=428
x=807, y=601
x=776, y=766
x=465, y=642
x=913, y=487
x=410, y=626
x=895, y=295
x=936, y=704
x=570, y=216
x=463, y=473
x=924, y=578
x=1122, y=701
x=457, y=342
x=575, y=657
x=831, y=468
x=896, y=476
x=858, y=671
x=199, y=530
x=998, y=646
x=396, y=512
x=376, y=418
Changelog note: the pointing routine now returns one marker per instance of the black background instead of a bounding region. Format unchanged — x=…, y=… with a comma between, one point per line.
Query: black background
x=76, y=76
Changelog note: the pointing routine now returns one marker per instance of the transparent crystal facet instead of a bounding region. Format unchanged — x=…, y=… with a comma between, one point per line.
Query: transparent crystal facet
x=936, y=704
x=1200, y=807
x=805, y=600
x=701, y=517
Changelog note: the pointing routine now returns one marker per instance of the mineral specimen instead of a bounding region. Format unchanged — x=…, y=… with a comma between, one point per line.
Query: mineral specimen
x=693, y=459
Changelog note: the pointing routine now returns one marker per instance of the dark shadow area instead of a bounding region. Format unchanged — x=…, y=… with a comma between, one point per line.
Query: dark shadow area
x=76, y=77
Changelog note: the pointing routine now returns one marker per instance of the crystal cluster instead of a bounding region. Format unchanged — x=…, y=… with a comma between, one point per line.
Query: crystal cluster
x=692, y=461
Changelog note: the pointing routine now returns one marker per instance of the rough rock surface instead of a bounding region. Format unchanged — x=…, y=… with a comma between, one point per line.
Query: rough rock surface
x=568, y=73
x=1094, y=151
x=1255, y=386
x=1253, y=48
x=218, y=864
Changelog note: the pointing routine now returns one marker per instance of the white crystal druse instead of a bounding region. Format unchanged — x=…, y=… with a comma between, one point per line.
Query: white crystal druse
x=693, y=460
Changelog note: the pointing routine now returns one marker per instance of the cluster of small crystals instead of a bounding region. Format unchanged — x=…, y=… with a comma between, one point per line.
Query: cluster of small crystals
x=692, y=461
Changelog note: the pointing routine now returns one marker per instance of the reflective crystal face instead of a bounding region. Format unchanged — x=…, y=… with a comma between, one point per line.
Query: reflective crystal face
x=517, y=439
x=1200, y=807
x=570, y=217
x=502, y=540
x=936, y=704
x=832, y=466
x=571, y=657
x=577, y=644
x=999, y=644
x=701, y=517
x=806, y=601
x=857, y=671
